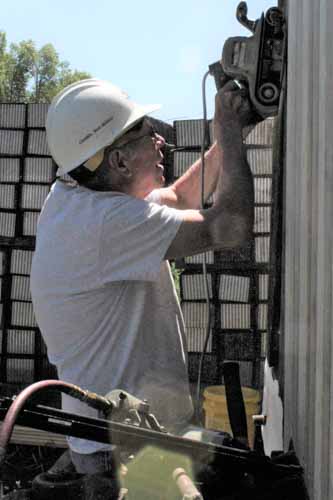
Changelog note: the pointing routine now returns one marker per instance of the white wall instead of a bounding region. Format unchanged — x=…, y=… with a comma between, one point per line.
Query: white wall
x=308, y=327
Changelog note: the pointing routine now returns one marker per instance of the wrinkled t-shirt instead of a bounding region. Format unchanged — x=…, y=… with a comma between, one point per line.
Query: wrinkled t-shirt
x=105, y=301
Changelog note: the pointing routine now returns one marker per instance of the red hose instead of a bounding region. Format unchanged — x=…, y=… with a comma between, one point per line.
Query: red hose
x=92, y=399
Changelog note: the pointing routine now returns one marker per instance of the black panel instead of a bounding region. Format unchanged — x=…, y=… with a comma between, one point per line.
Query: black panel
x=238, y=279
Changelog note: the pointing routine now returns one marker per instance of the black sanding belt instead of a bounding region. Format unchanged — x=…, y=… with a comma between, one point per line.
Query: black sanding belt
x=235, y=401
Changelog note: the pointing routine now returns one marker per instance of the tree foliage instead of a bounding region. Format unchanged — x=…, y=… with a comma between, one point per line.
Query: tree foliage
x=31, y=75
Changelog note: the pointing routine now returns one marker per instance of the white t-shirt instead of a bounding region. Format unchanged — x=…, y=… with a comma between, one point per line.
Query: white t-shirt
x=105, y=302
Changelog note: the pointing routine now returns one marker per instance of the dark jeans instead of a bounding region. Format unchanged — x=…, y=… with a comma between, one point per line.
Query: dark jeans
x=93, y=463
x=98, y=475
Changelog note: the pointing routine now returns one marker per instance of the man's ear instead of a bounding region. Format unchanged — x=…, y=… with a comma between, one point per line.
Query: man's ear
x=118, y=162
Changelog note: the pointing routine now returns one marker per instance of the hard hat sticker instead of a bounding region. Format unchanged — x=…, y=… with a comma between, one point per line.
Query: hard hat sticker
x=95, y=130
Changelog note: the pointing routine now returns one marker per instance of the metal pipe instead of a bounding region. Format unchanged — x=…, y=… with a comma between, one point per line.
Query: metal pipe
x=185, y=485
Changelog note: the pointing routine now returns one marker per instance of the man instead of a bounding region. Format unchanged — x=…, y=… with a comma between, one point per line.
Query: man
x=101, y=285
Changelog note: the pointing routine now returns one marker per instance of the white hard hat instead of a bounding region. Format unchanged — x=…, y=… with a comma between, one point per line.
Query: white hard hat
x=86, y=117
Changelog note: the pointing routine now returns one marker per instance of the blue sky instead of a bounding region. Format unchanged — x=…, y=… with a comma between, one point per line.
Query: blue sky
x=157, y=52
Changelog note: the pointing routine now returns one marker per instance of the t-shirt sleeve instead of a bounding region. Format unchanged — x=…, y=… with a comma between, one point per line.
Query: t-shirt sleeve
x=135, y=237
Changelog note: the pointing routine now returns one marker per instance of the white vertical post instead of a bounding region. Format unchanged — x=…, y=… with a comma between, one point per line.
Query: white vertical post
x=308, y=327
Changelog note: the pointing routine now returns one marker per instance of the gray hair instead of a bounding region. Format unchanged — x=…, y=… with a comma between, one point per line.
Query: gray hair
x=100, y=179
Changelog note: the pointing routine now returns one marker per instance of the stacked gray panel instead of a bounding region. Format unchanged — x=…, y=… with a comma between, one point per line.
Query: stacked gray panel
x=182, y=160
x=11, y=142
x=190, y=133
x=23, y=353
x=26, y=168
x=196, y=319
x=12, y=116
x=37, y=115
x=26, y=172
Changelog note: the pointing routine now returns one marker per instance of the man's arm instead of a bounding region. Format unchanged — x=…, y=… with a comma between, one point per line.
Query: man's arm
x=185, y=192
x=229, y=222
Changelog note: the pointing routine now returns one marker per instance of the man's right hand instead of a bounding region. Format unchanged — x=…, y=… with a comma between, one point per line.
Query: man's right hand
x=233, y=112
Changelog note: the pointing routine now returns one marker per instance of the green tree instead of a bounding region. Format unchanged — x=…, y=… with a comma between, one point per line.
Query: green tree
x=45, y=74
x=19, y=69
x=31, y=75
x=66, y=76
x=3, y=44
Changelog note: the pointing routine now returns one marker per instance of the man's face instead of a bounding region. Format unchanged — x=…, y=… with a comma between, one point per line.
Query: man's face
x=143, y=146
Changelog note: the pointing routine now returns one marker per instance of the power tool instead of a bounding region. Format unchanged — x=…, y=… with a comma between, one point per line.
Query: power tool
x=256, y=61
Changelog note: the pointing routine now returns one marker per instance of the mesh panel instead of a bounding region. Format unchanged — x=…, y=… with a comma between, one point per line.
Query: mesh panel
x=9, y=170
x=20, y=342
x=37, y=144
x=196, y=318
x=188, y=133
x=30, y=220
x=23, y=353
x=37, y=114
x=38, y=170
x=236, y=316
x=239, y=346
x=260, y=161
x=11, y=142
x=20, y=288
x=207, y=257
x=262, y=316
x=183, y=160
x=7, y=224
x=2, y=262
x=262, y=249
x=19, y=370
x=33, y=196
x=21, y=261
x=262, y=134
x=234, y=288
x=22, y=314
x=262, y=219
x=7, y=196
x=262, y=187
x=12, y=115
x=193, y=286
x=263, y=286
x=2, y=272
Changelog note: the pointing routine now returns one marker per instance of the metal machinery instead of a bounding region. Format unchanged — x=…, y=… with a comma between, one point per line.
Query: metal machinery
x=194, y=464
x=257, y=61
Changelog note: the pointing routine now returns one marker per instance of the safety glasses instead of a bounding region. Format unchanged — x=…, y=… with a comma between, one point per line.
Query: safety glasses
x=143, y=128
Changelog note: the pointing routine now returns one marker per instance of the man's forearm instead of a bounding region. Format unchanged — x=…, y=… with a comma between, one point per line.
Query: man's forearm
x=235, y=192
x=188, y=186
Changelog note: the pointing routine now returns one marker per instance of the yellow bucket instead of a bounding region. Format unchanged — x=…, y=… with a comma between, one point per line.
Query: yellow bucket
x=216, y=411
